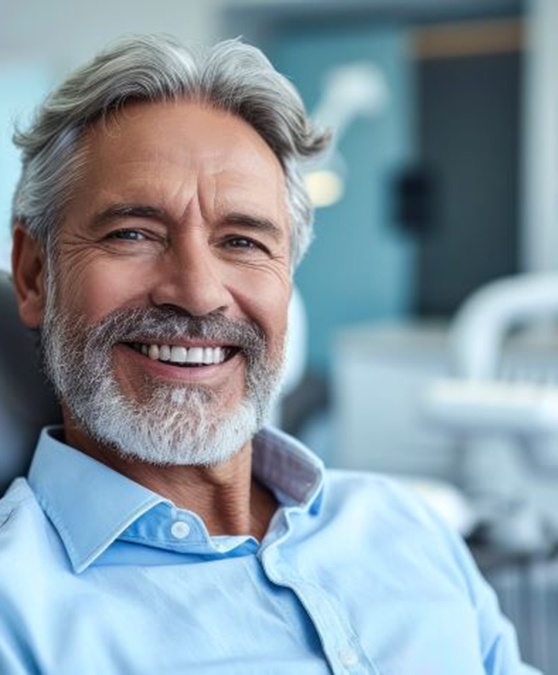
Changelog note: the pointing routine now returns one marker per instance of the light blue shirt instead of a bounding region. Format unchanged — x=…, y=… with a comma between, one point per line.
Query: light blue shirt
x=101, y=576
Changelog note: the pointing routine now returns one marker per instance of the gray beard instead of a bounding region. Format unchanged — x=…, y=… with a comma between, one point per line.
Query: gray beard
x=172, y=425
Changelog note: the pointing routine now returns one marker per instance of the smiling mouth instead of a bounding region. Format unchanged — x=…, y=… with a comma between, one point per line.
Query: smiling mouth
x=186, y=357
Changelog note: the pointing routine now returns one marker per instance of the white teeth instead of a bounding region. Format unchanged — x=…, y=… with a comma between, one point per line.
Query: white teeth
x=178, y=354
x=195, y=355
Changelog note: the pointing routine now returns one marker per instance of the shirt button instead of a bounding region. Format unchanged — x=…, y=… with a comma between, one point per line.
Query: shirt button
x=348, y=658
x=180, y=529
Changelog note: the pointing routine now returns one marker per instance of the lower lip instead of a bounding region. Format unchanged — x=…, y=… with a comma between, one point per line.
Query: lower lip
x=167, y=371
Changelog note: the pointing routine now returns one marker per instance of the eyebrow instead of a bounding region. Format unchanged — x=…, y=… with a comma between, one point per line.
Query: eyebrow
x=150, y=212
x=117, y=211
x=255, y=222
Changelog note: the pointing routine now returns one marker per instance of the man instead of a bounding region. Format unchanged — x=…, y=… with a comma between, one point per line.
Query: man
x=157, y=222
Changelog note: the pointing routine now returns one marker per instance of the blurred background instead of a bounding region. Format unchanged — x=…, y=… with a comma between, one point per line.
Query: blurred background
x=423, y=339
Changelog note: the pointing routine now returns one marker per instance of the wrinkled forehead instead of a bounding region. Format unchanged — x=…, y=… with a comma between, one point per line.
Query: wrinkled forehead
x=170, y=153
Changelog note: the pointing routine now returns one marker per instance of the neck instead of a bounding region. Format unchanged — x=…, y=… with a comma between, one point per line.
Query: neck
x=227, y=497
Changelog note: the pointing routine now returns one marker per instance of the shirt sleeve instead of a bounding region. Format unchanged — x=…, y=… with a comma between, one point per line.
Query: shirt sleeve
x=497, y=636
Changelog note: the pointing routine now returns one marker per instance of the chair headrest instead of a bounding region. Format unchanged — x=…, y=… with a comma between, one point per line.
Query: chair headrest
x=27, y=403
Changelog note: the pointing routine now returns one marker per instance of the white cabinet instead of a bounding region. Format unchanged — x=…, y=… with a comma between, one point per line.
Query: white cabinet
x=379, y=375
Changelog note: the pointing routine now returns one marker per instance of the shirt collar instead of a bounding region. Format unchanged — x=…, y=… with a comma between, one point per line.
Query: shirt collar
x=91, y=505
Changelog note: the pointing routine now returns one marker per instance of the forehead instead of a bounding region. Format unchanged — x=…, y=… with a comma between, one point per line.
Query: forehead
x=177, y=150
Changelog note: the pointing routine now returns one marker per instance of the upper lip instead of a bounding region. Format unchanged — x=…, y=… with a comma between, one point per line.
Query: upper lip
x=182, y=343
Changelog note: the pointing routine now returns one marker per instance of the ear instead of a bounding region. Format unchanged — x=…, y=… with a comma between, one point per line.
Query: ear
x=29, y=276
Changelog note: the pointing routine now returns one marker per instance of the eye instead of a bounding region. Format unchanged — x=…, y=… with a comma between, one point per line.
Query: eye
x=245, y=244
x=127, y=235
x=241, y=242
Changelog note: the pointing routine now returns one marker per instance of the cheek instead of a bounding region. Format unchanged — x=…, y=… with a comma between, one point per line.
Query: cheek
x=269, y=308
x=97, y=289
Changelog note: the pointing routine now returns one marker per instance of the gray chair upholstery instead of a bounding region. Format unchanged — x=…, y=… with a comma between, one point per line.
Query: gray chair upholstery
x=26, y=401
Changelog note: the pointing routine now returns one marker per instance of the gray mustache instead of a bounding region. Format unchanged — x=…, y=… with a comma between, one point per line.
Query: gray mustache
x=158, y=324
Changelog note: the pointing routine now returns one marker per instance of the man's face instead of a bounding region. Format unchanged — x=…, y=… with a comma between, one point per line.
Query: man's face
x=175, y=243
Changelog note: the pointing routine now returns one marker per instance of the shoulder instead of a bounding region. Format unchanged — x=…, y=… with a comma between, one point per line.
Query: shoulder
x=400, y=521
x=27, y=539
x=387, y=496
x=18, y=506
x=386, y=499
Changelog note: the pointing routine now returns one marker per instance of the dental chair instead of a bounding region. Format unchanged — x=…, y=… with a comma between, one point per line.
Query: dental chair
x=26, y=401
x=502, y=410
x=504, y=418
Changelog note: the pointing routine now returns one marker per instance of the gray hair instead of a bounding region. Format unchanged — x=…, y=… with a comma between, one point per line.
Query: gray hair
x=231, y=76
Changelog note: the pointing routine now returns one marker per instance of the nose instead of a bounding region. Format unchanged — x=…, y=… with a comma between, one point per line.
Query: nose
x=191, y=279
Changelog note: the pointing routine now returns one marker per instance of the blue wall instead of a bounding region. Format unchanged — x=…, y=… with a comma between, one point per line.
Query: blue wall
x=360, y=266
